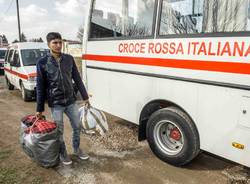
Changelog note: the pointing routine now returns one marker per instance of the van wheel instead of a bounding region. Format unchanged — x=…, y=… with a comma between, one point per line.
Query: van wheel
x=9, y=85
x=172, y=136
x=25, y=96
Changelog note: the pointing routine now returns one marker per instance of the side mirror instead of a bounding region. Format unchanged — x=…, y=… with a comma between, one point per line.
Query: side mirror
x=18, y=64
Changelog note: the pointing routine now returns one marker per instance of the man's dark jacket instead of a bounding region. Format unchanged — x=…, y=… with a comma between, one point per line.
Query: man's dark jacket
x=54, y=81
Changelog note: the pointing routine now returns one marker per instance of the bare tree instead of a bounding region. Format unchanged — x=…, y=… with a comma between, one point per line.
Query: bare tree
x=226, y=16
x=205, y=16
x=172, y=22
x=80, y=33
x=36, y=40
x=23, y=38
x=4, y=39
x=136, y=30
x=215, y=16
x=15, y=41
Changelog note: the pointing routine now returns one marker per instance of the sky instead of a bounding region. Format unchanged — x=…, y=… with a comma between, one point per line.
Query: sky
x=40, y=17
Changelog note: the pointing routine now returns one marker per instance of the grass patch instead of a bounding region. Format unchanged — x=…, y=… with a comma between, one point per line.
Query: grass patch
x=8, y=176
x=15, y=176
x=5, y=154
x=37, y=180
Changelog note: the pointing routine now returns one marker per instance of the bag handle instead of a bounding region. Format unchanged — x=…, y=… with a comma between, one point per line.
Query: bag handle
x=85, y=117
x=98, y=122
x=31, y=127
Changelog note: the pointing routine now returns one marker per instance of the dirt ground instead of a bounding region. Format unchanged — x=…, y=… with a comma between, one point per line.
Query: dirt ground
x=117, y=158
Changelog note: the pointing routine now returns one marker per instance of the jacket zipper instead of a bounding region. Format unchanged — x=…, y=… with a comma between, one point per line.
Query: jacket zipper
x=59, y=64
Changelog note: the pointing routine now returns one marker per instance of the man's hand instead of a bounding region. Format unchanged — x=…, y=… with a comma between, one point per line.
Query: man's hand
x=39, y=115
x=86, y=103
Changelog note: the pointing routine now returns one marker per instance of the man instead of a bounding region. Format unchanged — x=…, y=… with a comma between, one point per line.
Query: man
x=54, y=82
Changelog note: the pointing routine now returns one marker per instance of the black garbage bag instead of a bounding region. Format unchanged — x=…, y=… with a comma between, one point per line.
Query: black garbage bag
x=39, y=139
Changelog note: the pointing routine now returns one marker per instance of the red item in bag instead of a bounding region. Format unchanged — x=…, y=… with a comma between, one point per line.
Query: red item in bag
x=41, y=126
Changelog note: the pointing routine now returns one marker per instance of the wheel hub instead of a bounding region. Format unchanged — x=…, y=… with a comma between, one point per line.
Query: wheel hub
x=175, y=134
x=168, y=137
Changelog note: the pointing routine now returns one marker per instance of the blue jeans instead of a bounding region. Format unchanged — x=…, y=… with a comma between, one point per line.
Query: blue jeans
x=72, y=113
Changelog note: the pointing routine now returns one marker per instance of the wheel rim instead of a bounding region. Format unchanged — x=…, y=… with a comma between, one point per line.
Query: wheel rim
x=168, y=137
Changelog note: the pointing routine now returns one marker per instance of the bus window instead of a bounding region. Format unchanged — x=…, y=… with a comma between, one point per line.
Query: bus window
x=204, y=16
x=248, y=17
x=122, y=18
x=181, y=17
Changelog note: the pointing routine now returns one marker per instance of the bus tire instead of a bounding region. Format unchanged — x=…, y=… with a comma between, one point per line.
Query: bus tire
x=25, y=95
x=9, y=85
x=172, y=136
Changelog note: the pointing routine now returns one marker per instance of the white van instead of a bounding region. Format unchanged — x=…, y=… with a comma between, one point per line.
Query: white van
x=2, y=54
x=20, y=67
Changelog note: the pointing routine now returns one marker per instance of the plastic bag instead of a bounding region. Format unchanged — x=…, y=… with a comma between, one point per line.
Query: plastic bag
x=40, y=141
x=93, y=120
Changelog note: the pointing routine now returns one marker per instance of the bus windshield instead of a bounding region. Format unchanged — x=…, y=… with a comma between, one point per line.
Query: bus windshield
x=30, y=56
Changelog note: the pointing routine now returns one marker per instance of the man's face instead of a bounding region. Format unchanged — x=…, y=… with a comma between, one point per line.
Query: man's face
x=55, y=45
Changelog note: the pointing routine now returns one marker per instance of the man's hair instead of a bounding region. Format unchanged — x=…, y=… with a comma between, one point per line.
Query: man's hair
x=52, y=36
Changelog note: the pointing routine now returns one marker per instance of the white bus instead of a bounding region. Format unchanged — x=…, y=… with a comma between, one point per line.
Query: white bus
x=180, y=69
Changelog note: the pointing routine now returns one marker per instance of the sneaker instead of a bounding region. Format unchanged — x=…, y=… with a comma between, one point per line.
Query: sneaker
x=65, y=159
x=81, y=154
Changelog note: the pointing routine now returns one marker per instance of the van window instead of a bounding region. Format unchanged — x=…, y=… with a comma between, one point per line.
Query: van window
x=122, y=18
x=204, y=16
x=31, y=56
x=16, y=58
x=6, y=55
x=11, y=52
x=2, y=54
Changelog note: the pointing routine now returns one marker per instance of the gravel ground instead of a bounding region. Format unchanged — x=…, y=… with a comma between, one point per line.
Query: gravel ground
x=115, y=140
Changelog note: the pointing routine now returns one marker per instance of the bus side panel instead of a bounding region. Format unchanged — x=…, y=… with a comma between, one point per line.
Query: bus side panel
x=98, y=87
x=209, y=95
x=218, y=118
x=215, y=110
x=125, y=95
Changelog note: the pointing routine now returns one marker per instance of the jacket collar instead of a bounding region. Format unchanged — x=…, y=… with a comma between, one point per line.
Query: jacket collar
x=52, y=59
